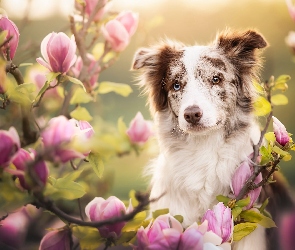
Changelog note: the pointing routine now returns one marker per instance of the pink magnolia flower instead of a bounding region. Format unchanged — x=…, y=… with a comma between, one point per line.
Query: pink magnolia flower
x=9, y=146
x=241, y=175
x=164, y=233
x=192, y=239
x=118, y=31
x=57, y=137
x=58, y=50
x=92, y=84
x=20, y=161
x=139, y=130
x=282, y=136
x=287, y=228
x=100, y=209
x=220, y=221
x=290, y=40
x=12, y=31
x=56, y=240
x=90, y=6
x=291, y=9
x=13, y=229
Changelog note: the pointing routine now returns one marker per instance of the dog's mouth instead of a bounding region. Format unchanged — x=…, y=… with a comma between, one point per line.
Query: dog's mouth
x=201, y=128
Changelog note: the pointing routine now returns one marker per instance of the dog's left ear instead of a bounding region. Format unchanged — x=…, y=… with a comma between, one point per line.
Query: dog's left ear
x=241, y=48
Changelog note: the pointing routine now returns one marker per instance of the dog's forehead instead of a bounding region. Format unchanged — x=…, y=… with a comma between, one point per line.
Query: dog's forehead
x=203, y=55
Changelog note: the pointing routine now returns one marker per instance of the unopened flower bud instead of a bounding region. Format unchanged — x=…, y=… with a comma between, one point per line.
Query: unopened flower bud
x=56, y=240
x=282, y=136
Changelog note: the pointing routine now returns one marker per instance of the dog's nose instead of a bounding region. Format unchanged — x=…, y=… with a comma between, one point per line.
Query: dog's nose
x=193, y=114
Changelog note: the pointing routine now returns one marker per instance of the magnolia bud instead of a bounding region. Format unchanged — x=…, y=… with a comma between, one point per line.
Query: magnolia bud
x=55, y=240
x=282, y=136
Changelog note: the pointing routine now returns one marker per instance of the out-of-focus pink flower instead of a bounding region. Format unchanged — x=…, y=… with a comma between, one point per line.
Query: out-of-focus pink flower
x=90, y=6
x=164, y=233
x=139, y=130
x=241, y=175
x=93, y=78
x=12, y=31
x=282, y=136
x=100, y=209
x=20, y=161
x=9, y=145
x=14, y=228
x=290, y=40
x=56, y=240
x=37, y=75
x=192, y=239
x=58, y=51
x=291, y=9
x=119, y=30
x=57, y=137
x=287, y=229
x=220, y=221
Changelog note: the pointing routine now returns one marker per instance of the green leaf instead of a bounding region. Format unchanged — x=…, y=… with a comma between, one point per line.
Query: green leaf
x=261, y=106
x=76, y=81
x=159, y=212
x=26, y=88
x=223, y=199
x=267, y=222
x=3, y=35
x=80, y=96
x=89, y=237
x=258, y=87
x=236, y=212
x=81, y=113
x=96, y=164
x=135, y=223
x=279, y=151
x=126, y=237
x=270, y=136
x=64, y=188
x=25, y=64
x=73, y=175
x=243, y=202
x=251, y=216
x=280, y=82
x=264, y=204
x=118, y=88
x=42, y=90
x=243, y=229
x=287, y=158
x=122, y=127
x=179, y=218
x=279, y=99
x=98, y=50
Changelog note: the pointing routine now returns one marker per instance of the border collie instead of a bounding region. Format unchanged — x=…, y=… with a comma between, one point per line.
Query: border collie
x=201, y=98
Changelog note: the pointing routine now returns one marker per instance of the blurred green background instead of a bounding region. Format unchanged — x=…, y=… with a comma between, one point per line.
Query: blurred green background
x=190, y=21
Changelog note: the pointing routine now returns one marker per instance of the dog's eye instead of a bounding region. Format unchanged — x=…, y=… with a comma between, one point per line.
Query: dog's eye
x=176, y=86
x=216, y=79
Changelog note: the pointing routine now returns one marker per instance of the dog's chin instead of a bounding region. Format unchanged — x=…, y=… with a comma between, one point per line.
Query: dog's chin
x=200, y=129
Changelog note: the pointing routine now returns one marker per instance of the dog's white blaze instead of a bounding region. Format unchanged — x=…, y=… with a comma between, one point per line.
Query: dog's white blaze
x=195, y=93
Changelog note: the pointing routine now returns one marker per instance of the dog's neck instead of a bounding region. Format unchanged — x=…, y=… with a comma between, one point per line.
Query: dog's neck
x=197, y=168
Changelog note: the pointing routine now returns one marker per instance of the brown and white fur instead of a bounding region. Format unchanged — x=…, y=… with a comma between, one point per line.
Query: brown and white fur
x=201, y=98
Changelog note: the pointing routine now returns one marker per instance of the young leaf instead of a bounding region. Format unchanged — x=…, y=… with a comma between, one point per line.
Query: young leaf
x=179, y=218
x=76, y=81
x=280, y=151
x=135, y=223
x=81, y=113
x=72, y=176
x=236, y=212
x=279, y=99
x=270, y=136
x=122, y=127
x=251, y=216
x=96, y=164
x=3, y=35
x=89, y=237
x=243, y=229
x=261, y=106
x=223, y=199
x=287, y=157
x=80, y=96
x=126, y=237
x=243, y=202
x=159, y=212
x=280, y=82
x=263, y=206
x=119, y=88
x=258, y=87
x=267, y=222
x=98, y=50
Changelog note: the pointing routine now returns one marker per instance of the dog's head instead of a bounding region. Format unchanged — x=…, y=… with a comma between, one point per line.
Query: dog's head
x=205, y=87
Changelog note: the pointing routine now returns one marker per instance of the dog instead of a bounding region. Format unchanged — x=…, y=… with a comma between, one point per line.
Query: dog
x=201, y=99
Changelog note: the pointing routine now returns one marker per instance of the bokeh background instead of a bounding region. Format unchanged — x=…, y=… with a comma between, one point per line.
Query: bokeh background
x=190, y=21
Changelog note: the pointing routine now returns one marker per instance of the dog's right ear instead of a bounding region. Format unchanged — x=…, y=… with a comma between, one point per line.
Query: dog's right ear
x=153, y=63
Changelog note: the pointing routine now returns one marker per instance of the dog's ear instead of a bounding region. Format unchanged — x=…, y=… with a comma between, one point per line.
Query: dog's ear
x=242, y=50
x=153, y=64
x=241, y=47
